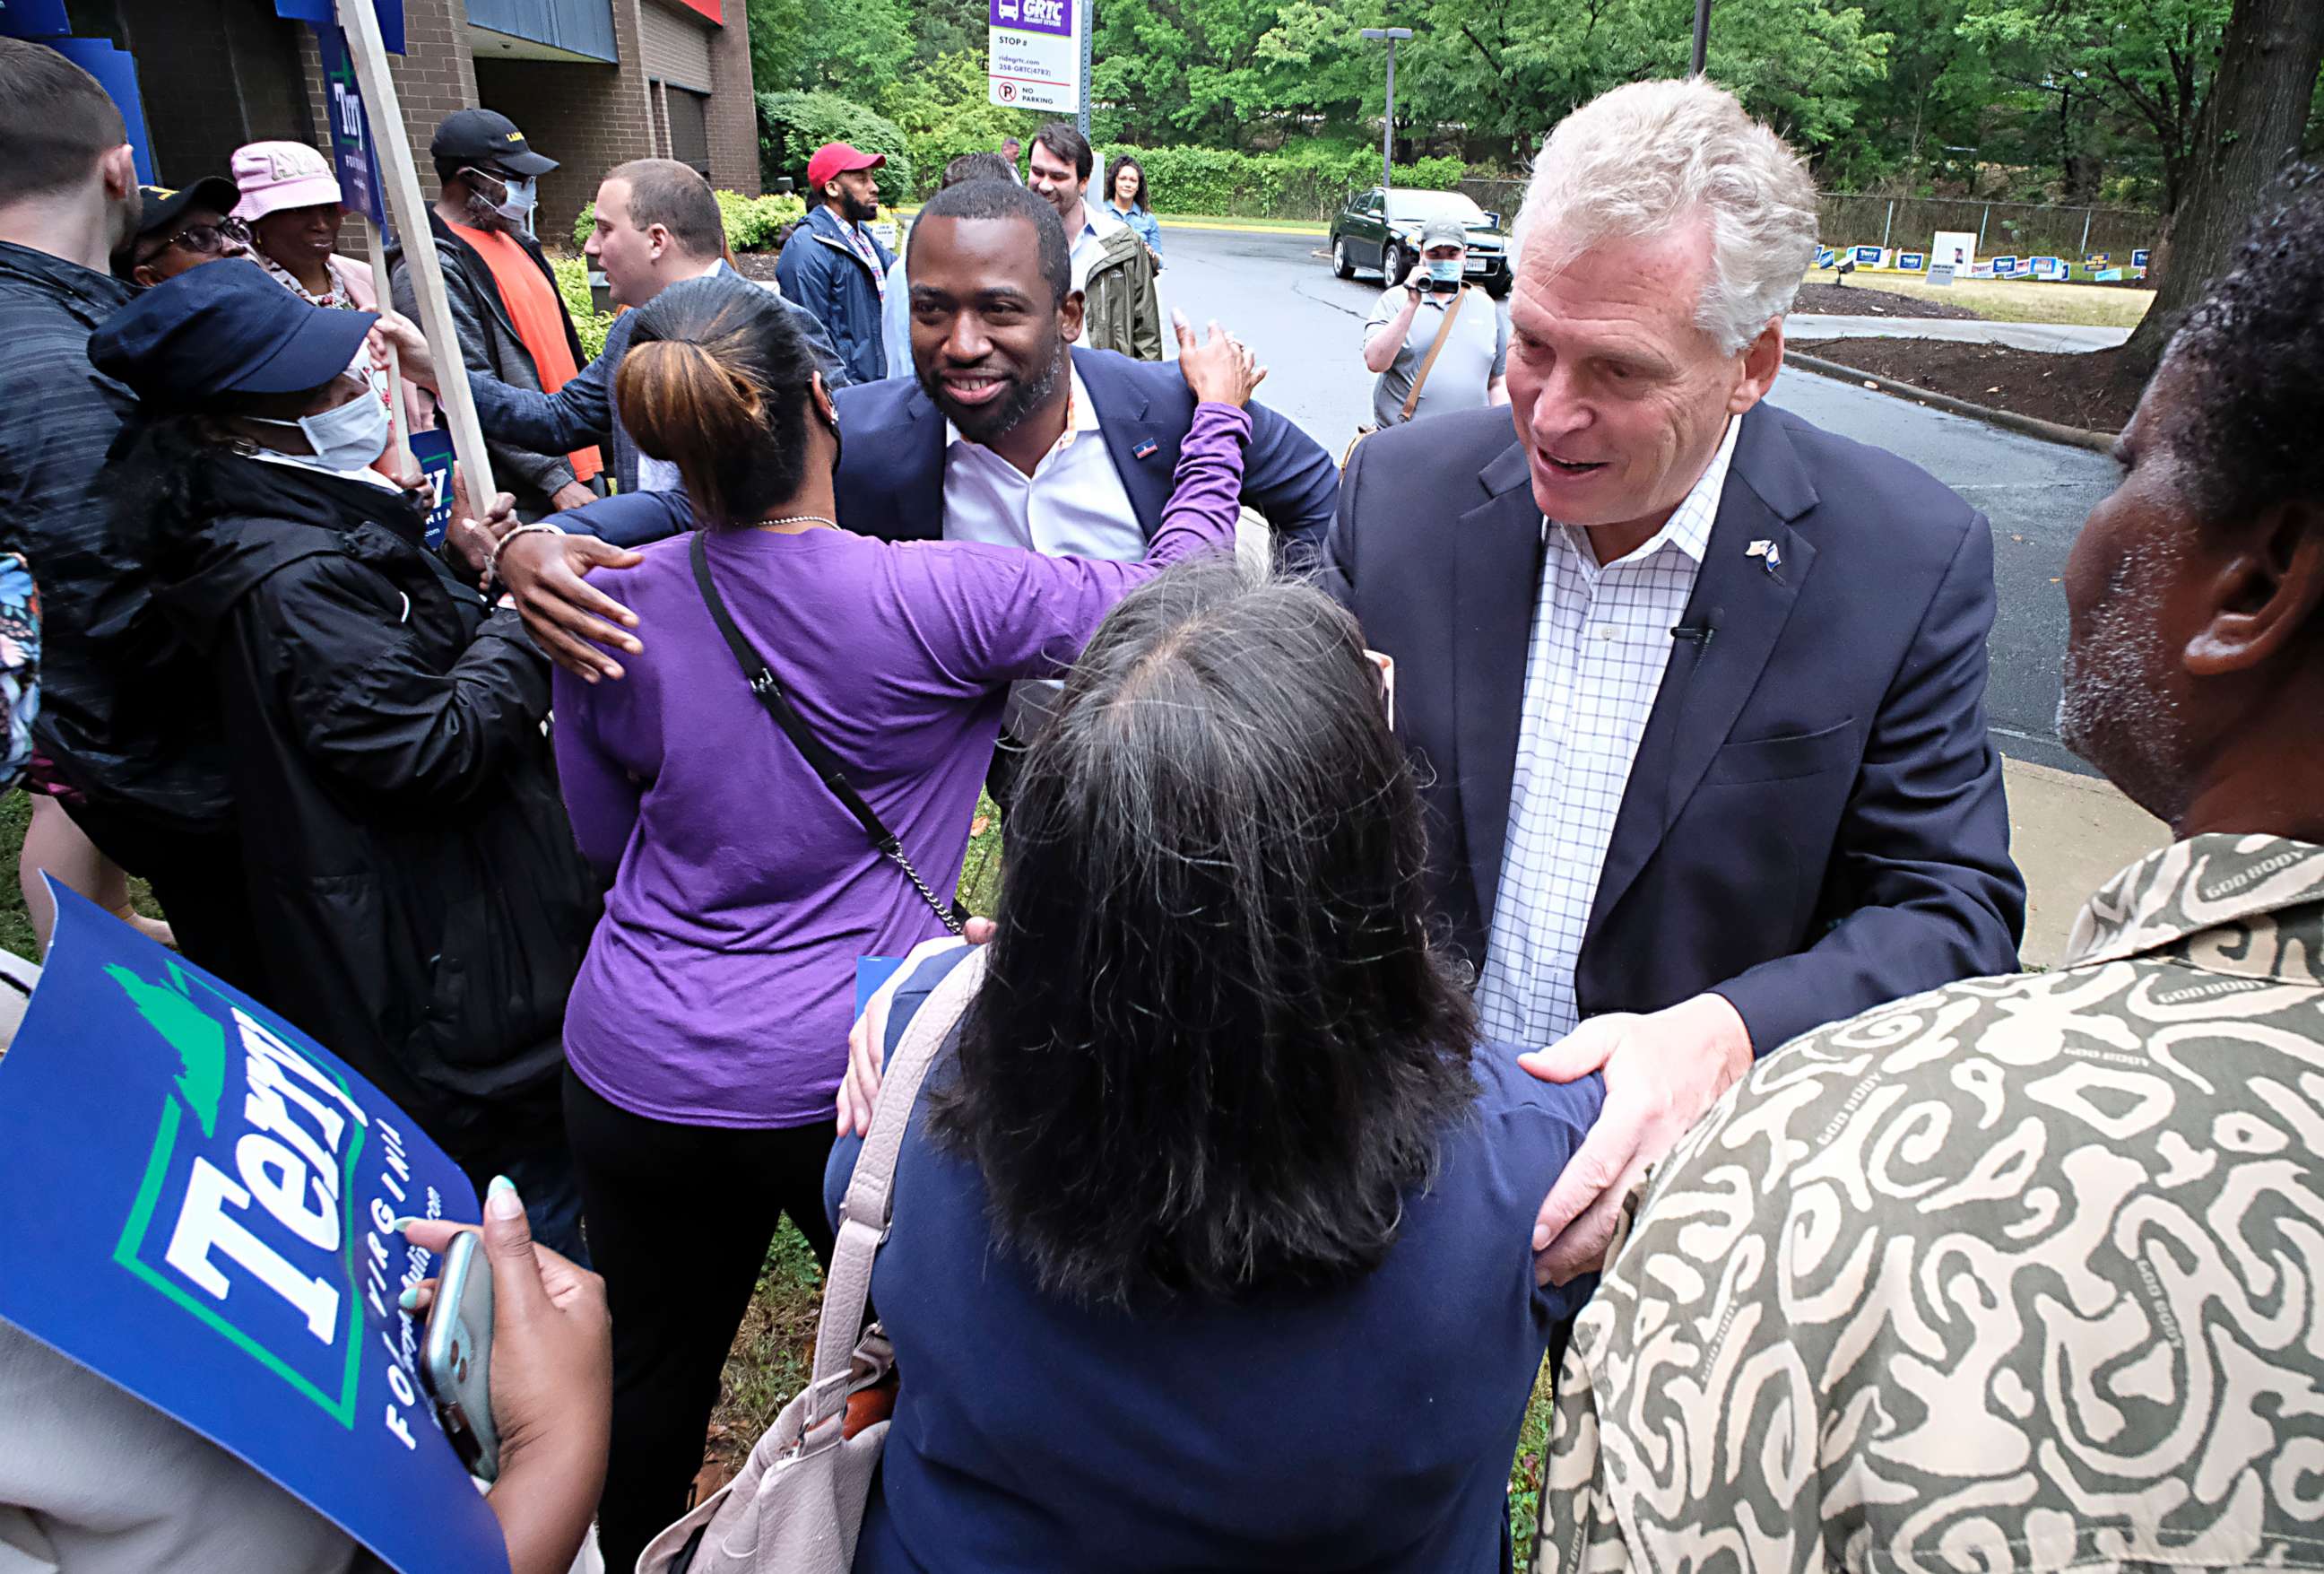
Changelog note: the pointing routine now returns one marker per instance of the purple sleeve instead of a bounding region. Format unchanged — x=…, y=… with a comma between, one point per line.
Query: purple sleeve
x=600, y=798
x=993, y=615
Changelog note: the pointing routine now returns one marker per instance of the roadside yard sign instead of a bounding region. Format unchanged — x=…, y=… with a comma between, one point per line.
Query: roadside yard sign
x=1911, y=261
x=1033, y=55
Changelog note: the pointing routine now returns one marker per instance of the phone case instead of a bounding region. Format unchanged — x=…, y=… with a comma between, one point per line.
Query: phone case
x=455, y=1354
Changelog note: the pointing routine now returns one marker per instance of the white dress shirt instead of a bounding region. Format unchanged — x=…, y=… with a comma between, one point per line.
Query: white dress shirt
x=1602, y=641
x=1073, y=505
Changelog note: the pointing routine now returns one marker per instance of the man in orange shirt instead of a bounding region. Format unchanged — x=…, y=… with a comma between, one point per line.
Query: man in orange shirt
x=511, y=322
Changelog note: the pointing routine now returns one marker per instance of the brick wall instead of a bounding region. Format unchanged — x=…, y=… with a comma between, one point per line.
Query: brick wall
x=433, y=76
x=589, y=118
x=734, y=112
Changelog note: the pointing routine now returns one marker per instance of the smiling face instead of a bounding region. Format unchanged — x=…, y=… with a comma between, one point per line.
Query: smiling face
x=299, y=238
x=1126, y=182
x=988, y=340
x=1620, y=399
x=1055, y=179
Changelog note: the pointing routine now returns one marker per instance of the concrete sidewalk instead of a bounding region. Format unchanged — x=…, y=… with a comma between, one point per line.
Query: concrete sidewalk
x=2070, y=336
x=2070, y=834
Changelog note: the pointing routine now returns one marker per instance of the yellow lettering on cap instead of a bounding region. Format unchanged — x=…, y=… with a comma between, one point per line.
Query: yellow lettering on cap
x=516, y=136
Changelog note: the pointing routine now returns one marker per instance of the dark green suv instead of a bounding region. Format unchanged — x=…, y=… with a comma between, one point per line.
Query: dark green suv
x=1382, y=230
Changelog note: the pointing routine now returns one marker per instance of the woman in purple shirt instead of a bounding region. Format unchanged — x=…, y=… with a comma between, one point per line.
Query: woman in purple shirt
x=707, y=1031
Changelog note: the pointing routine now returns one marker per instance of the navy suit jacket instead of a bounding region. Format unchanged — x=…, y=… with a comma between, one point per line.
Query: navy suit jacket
x=1814, y=821
x=891, y=460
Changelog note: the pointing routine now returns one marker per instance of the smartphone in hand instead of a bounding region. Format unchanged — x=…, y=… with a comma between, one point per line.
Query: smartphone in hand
x=455, y=1354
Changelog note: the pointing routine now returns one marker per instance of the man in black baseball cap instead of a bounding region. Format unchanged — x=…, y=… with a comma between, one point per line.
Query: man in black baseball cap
x=182, y=229
x=506, y=312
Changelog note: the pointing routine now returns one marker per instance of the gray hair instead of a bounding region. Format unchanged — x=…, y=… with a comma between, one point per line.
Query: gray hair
x=1637, y=161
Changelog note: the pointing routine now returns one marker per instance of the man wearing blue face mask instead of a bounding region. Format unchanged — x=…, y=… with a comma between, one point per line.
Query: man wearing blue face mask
x=509, y=319
x=1400, y=340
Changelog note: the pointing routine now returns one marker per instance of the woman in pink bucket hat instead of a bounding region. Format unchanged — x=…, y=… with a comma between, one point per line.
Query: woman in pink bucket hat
x=291, y=200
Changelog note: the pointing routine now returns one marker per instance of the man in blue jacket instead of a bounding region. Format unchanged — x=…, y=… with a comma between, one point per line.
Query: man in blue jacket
x=833, y=265
x=990, y=440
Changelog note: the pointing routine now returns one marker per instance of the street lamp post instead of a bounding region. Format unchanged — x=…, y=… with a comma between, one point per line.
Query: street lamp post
x=1388, y=124
x=1702, y=33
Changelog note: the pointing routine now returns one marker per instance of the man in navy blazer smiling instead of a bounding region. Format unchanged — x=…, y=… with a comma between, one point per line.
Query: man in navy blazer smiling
x=1697, y=689
x=1005, y=434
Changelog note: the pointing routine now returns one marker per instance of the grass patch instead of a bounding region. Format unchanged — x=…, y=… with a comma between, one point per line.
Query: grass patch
x=2000, y=301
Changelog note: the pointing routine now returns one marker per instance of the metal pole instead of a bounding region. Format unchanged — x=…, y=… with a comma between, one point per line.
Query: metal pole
x=1388, y=124
x=1082, y=115
x=1985, y=218
x=2088, y=213
x=1888, y=224
x=1702, y=33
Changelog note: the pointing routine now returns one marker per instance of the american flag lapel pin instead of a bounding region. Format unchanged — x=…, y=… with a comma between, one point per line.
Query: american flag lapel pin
x=1146, y=450
x=1767, y=553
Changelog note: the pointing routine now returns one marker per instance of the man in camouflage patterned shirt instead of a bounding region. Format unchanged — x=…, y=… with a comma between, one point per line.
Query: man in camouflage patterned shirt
x=2028, y=1272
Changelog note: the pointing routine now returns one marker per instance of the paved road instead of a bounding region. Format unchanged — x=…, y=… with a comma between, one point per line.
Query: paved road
x=1307, y=329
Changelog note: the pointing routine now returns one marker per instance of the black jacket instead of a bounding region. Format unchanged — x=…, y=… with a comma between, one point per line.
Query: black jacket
x=413, y=882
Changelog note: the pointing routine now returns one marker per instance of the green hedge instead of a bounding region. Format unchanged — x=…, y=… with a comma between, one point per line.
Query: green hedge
x=1307, y=182
x=573, y=284
x=792, y=125
x=750, y=221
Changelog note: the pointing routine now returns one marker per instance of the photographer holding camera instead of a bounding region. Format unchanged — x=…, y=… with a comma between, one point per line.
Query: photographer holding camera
x=1417, y=377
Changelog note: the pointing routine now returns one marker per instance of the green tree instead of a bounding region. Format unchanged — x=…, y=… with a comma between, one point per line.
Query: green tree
x=2146, y=64
x=858, y=48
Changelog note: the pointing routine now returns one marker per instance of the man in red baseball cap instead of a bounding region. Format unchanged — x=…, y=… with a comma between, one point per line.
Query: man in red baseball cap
x=834, y=267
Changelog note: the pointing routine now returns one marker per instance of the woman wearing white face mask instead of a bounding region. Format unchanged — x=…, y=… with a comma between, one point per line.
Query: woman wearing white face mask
x=506, y=313
x=412, y=895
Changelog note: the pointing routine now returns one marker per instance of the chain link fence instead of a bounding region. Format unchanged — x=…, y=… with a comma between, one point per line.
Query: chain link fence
x=2003, y=228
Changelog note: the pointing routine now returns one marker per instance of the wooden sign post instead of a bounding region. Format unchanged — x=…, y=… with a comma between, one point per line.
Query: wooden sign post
x=399, y=175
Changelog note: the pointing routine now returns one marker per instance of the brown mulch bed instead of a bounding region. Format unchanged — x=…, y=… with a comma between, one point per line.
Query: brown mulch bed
x=1864, y=300
x=2089, y=390
x=759, y=265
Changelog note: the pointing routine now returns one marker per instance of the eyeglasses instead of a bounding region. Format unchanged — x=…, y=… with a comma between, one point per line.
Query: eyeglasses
x=208, y=240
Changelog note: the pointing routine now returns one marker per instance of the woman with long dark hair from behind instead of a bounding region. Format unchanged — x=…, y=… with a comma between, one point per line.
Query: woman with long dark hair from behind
x=1211, y=1243
x=707, y=1030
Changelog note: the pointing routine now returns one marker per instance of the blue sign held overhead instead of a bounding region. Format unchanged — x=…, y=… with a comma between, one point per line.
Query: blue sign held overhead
x=197, y=1202
x=320, y=14
x=115, y=71
x=353, y=154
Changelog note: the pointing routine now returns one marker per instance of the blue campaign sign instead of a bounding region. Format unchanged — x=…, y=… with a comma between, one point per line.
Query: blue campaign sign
x=115, y=71
x=197, y=1203
x=322, y=13
x=352, y=150
x=1823, y=257
x=433, y=450
x=33, y=18
x=2005, y=267
x=1867, y=256
x=1911, y=261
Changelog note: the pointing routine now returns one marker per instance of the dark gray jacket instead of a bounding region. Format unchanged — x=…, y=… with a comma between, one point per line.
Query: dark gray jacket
x=490, y=346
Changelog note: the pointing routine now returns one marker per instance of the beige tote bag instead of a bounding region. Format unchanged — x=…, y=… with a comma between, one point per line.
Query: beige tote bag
x=798, y=1506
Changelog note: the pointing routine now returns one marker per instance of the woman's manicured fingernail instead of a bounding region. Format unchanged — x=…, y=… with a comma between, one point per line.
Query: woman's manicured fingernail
x=404, y=1224
x=410, y=1299
x=501, y=1200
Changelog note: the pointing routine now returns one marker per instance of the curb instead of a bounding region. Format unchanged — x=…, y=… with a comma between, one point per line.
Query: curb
x=2101, y=442
x=1223, y=226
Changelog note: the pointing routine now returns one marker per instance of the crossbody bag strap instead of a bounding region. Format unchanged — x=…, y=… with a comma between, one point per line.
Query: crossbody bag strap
x=1443, y=332
x=819, y=758
x=870, y=1199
